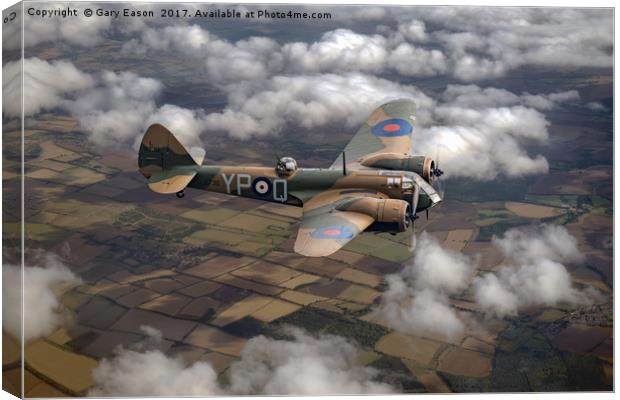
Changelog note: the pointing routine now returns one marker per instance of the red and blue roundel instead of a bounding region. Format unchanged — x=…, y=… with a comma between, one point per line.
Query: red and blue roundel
x=392, y=128
x=333, y=232
x=261, y=186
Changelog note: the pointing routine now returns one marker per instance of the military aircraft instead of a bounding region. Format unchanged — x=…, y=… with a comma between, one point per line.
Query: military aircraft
x=375, y=180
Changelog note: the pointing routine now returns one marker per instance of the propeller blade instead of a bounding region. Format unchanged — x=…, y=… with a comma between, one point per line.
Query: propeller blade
x=440, y=187
x=414, y=199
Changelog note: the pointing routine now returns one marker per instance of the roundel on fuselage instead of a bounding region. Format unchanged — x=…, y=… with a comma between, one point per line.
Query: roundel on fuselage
x=392, y=128
x=261, y=186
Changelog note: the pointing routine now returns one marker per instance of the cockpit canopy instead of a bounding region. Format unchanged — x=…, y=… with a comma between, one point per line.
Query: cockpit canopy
x=286, y=166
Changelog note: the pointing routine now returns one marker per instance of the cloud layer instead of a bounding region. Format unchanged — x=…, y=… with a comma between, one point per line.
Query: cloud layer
x=468, y=43
x=43, y=313
x=478, y=132
x=333, y=83
x=304, y=365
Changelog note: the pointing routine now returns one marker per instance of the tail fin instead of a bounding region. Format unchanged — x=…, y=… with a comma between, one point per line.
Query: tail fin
x=165, y=162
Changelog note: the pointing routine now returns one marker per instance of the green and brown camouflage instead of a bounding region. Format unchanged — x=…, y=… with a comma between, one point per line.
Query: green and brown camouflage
x=382, y=181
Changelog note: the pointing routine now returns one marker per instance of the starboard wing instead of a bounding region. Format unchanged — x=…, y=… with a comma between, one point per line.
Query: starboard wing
x=325, y=229
x=387, y=130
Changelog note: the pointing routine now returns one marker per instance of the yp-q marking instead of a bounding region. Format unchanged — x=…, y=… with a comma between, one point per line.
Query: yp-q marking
x=244, y=181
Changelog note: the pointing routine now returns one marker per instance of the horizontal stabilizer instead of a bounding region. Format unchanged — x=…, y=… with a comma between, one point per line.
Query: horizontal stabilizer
x=170, y=181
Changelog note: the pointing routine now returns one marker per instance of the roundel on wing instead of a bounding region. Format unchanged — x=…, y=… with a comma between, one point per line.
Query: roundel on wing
x=334, y=232
x=392, y=128
x=261, y=186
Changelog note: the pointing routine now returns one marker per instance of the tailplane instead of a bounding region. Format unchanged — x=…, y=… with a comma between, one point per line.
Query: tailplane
x=165, y=162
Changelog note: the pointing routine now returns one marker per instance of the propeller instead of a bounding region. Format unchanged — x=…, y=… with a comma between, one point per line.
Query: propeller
x=438, y=184
x=414, y=203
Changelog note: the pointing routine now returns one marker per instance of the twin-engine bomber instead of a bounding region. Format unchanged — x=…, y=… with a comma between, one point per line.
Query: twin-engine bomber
x=376, y=179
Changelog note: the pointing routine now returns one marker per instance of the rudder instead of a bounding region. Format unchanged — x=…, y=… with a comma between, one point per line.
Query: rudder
x=160, y=150
x=165, y=162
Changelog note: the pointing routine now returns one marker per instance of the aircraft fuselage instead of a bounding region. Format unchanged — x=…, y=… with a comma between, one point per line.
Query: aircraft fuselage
x=263, y=183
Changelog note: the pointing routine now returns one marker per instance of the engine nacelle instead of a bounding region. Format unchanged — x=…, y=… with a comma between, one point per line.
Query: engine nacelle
x=421, y=165
x=391, y=211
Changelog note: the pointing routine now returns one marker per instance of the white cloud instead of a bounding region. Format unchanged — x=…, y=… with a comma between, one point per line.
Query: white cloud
x=186, y=124
x=308, y=101
x=186, y=39
x=596, y=106
x=43, y=313
x=248, y=59
x=482, y=133
x=473, y=96
x=416, y=301
x=46, y=85
x=535, y=275
x=409, y=60
x=338, y=50
x=413, y=31
x=76, y=31
x=305, y=365
x=113, y=108
x=487, y=42
x=551, y=242
x=152, y=373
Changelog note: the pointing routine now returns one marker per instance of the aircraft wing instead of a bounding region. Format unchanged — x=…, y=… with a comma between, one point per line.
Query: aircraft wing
x=325, y=229
x=387, y=130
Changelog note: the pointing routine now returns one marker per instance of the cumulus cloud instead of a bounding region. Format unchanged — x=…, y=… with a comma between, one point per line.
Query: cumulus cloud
x=416, y=301
x=338, y=50
x=413, y=31
x=117, y=107
x=410, y=60
x=303, y=365
x=483, y=132
x=147, y=371
x=112, y=108
x=186, y=39
x=43, y=313
x=308, y=101
x=488, y=42
x=535, y=275
x=476, y=97
x=82, y=31
x=596, y=106
x=225, y=62
x=46, y=85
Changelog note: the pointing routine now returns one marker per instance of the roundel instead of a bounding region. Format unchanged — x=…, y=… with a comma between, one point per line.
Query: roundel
x=334, y=232
x=392, y=128
x=261, y=186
